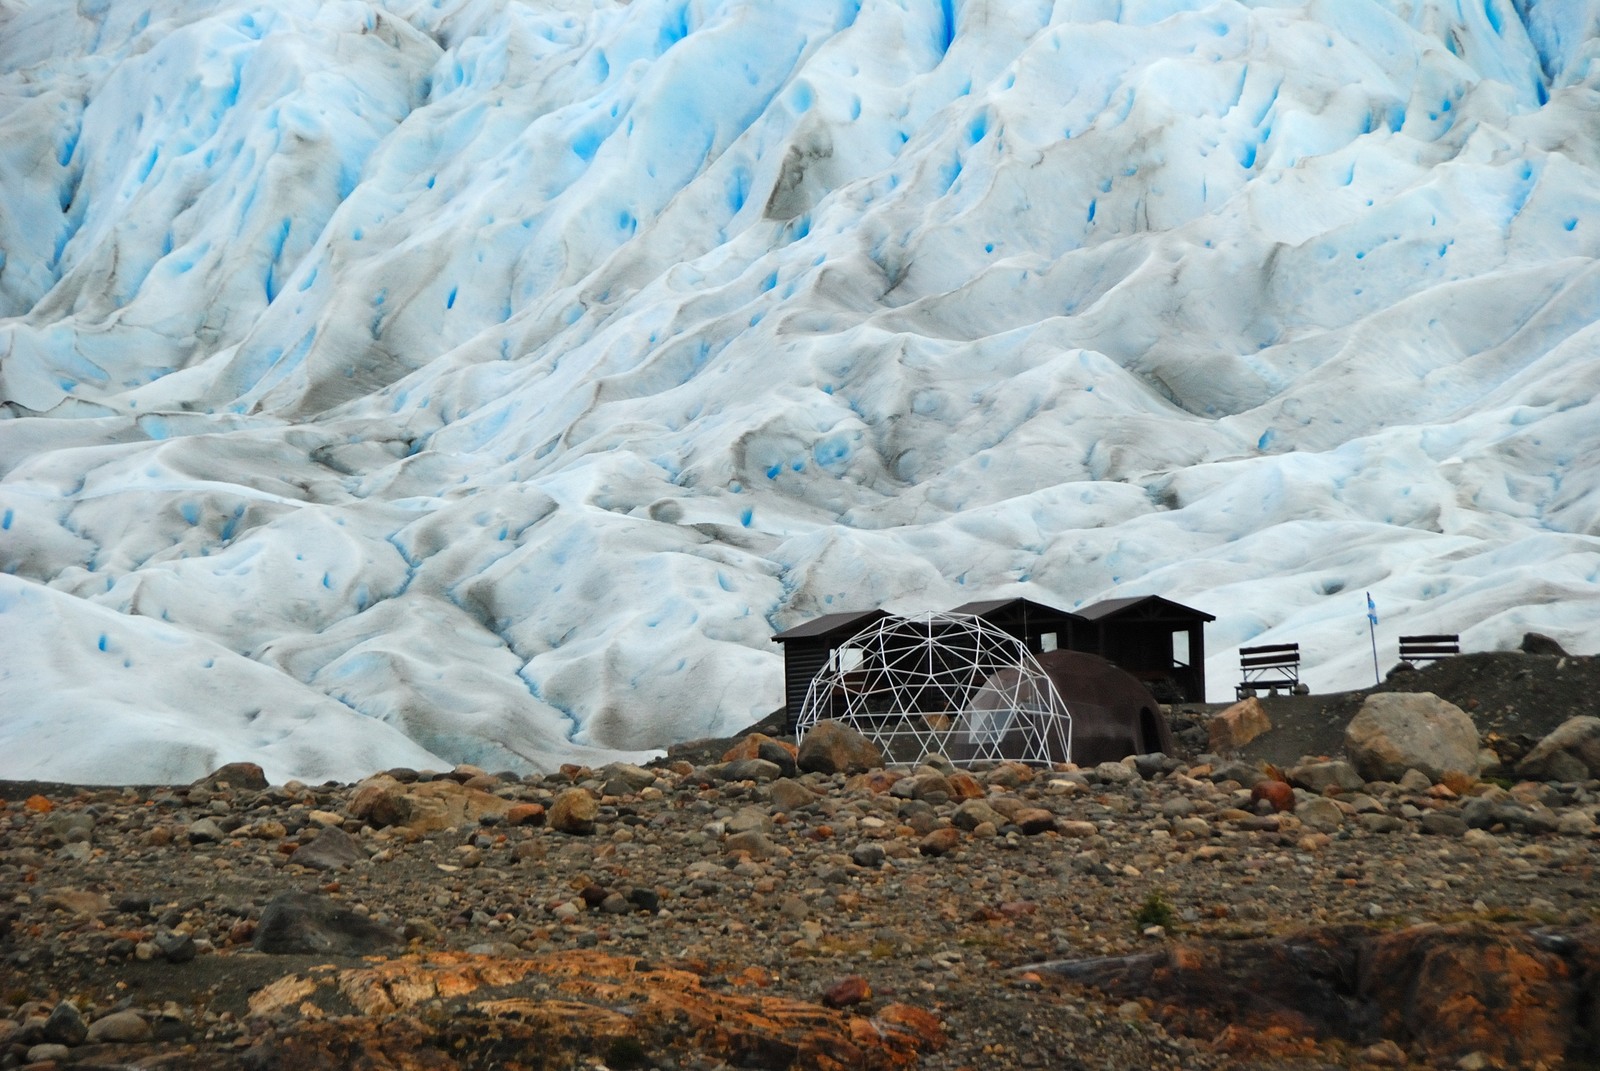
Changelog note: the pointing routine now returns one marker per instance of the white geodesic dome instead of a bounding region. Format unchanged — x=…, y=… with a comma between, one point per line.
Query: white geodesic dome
x=942, y=684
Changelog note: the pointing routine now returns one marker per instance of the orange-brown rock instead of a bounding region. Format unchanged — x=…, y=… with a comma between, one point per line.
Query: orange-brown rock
x=940, y=841
x=749, y=747
x=574, y=811
x=38, y=805
x=525, y=814
x=877, y=782
x=524, y=1011
x=851, y=989
x=1466, y=988
x=1034, y=820
x=1238, y=725
x=963, y=786
x=834, y=747
x=1445, y=991
x=426, y=807
x=1277, y=793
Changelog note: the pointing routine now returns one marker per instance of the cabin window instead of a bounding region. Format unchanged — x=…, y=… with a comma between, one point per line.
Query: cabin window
x=1047, y=642
x=1180, y=648
x=848, y=658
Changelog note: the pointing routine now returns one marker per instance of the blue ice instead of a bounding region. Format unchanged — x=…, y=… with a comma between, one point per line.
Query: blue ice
x=948, y=175
x=588, y=142
x=738, y=189
x=830, y=451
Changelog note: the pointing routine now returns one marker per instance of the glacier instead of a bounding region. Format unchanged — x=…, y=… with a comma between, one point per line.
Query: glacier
x=417, y=382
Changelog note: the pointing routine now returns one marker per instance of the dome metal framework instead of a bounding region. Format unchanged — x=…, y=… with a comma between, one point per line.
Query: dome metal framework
x=942, y=684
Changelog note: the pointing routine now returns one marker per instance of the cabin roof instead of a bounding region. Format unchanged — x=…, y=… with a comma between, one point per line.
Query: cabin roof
x=1148, y=606
x=984, y=608
x=828, y=623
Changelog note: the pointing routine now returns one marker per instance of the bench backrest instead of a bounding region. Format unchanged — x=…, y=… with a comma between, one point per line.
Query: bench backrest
x=1270, y=656
x=1429, y=647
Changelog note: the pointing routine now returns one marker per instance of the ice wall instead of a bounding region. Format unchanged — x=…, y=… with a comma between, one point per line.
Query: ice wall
x=485, y=381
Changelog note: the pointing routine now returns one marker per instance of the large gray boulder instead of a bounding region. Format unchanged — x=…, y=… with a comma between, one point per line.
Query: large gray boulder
x=1399, y=731
x=332, y=850
x=297, y=922
x=1570, y=753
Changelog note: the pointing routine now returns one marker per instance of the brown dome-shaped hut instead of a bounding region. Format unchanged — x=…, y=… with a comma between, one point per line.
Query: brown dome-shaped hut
x=1113, y=715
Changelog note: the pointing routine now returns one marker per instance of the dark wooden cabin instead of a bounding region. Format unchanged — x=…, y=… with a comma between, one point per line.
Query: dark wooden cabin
x=807, y=649
x=1161, y=642
x=1041, y=628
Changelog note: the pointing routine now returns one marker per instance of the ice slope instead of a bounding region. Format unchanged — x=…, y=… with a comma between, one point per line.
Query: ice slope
x=415, y=383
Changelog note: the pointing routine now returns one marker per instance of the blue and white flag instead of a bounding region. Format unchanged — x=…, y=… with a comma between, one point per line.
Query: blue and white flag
x=1372, y=610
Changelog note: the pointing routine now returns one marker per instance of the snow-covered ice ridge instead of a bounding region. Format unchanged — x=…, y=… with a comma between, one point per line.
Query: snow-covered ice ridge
x=412, y=383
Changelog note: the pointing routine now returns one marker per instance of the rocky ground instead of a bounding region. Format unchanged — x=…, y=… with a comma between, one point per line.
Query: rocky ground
x=1156, y=913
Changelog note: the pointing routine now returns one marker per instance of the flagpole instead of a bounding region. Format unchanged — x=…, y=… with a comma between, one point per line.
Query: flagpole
x=1372, y=629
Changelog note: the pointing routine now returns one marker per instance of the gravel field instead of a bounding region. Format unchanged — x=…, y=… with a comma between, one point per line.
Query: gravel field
x=704, y=914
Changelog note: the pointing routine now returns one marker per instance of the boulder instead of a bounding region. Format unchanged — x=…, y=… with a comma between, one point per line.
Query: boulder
x=1319, y=777
x=1398, y=731
x=940, y=841
x=973, y=813
x=1320, y=815
x=751, y=842
x=963, y=786
x=1242, y=772
x=847, y=991
x=125, y=1027
x=377, y=800
x=332, y=850
x=1239, y=724
x=1034, y=820
x=1276, y=793
x=833, y=747
x=66, y=1025
x=1570, y=753
x=574, y=811
x=759, y=746
x=1115, y=773
x=787, y=795
x=297, y=922
x=525, y=814
x=758, y=770
x=245, y=776
x=1540, y=644
x=426, y=807
x=635, y=777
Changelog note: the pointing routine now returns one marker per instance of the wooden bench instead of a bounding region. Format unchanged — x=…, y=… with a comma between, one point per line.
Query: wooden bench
x=1415, y=649
x=1269, y=668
